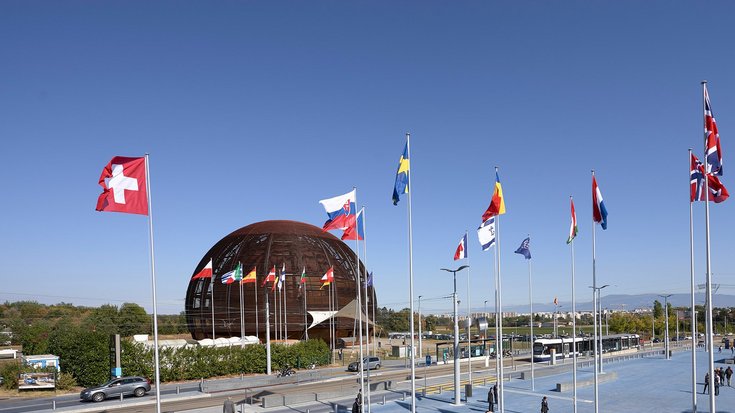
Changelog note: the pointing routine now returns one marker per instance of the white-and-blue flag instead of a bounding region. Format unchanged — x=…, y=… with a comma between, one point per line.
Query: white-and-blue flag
x=486, y=234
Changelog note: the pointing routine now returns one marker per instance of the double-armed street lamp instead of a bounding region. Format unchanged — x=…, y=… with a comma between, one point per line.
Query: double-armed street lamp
x=666, y=314
x=457, y=394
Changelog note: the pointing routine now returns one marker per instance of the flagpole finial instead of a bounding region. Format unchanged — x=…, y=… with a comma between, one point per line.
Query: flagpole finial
x=704, y=82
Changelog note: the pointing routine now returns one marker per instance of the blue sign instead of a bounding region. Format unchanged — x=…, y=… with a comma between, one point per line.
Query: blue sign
x=428, y=361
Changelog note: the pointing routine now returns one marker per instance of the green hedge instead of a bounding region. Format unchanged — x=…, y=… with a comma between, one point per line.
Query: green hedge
x=191, y=363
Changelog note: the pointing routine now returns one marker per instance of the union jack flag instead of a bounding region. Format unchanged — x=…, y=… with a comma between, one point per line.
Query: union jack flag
x=717, y=191
x=713, y=153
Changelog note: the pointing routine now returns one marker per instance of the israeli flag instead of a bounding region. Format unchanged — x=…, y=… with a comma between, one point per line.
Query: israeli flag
x=486, y=234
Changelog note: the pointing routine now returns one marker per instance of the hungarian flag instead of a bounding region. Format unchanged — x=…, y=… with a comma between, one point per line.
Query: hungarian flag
x=206, y=272
x=123, y=186
x=302, y=280
x=328, y=277
x=497, y=203
x=271, y=277
x=573, y=227
x=461, y=251
x=599, y=212
x=713, y=152
x=250, y=278
x=717, y=191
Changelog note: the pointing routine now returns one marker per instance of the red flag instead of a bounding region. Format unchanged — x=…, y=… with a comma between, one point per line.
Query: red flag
x=270, y=277
x=123, y=186
x=461, y=251
x=328, y=277
x=206, y=272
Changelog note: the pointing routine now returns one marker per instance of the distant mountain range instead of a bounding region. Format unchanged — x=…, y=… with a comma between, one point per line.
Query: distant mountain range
x=622, y=302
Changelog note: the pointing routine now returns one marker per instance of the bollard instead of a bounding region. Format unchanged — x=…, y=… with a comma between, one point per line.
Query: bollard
x=441, y=389
x=121, y=397
x=242, y=376
x=178, y=389
x=383, y=400
x=308, y=410
x=404, y=396
x=484, y=382
x=53, y=404
x=336, y=407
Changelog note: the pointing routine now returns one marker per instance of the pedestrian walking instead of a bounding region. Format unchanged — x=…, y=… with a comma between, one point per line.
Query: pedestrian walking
x=490, y=400
x=728, y=374
x=706, y=383
x=228, y=406
x=544, y=405
x=717, y=384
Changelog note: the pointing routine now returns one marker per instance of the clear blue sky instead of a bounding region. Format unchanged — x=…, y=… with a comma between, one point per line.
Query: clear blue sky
x=256, y=110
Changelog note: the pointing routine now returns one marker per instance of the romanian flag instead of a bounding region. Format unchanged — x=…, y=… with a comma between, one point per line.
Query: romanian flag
x=327, y=278
x=402, y=176
x=250, y=278
x=206, y=272
x=497, y=204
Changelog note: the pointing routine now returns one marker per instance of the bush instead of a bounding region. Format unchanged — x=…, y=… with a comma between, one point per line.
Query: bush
x=10, y=372
x=65, y=381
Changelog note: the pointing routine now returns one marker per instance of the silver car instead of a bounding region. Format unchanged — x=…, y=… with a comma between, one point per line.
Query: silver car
x=137, y=386
x=369, y=363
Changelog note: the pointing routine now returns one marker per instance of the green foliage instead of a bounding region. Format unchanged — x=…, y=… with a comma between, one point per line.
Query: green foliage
x=83, y=354
x=658, y=309
x=65, y=381
x=195, y=362
x=10, y=372
x=132, y=319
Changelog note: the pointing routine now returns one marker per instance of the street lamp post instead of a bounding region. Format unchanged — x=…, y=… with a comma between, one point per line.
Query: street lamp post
x=420, y=354
x=457, y=394
x=666, y=314
x=598, y=340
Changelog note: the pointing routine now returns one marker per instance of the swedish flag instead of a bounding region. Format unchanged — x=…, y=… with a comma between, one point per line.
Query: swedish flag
x=402, y=178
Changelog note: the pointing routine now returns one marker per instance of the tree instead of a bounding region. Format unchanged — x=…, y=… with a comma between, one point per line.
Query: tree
x=103, y=319
x=658, y=309
x=133, y=319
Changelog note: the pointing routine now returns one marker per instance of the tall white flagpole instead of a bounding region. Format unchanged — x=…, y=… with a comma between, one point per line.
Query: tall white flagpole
x=530, y=302
x=211, y=299
x=710, y=344
x=498, y=338
x=501, y=398
x=153, y=284
x=267, y=335
x=359, y=305
x=574, y=324
x=285, y=307
x=242, y=307
x=257, y=331
x=469, y=318
x=594, y=307
x=410, y=281
x=691, y=277
x=367, y=310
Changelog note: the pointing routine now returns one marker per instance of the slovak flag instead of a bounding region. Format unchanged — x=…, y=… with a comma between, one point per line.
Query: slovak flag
x=328, y=277
x=717, y=191
x=270, y=277
x=341, y=211
x=461, y=251
x=123, y=186
x=356, y=230
x=599, y=212
x=713, y=152
x=206, y=272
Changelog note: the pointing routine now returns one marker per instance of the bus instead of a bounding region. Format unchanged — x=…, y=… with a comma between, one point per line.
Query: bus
x=563, y=346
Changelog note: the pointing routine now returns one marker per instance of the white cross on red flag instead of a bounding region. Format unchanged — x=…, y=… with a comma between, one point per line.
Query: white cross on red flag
x=123, y=186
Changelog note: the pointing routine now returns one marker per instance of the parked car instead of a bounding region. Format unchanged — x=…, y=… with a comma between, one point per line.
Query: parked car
x=369, y=363
x=135, y=385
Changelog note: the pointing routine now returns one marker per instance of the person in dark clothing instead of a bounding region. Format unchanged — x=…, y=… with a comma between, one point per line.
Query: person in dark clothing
x=728, y=374
x=706, y=383
x=490, y=400
x=495, y=392
x=355, y=407
x=544, y=405
x=228, y=406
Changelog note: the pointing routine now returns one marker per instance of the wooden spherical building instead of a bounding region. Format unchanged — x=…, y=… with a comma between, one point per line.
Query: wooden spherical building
x=262, y=246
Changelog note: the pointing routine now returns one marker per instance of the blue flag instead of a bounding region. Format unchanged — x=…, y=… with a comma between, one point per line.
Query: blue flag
x=524, y=248
x=402, y=176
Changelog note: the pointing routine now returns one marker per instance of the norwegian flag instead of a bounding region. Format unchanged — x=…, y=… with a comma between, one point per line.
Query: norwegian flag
x=713, y=152
x=717, y=191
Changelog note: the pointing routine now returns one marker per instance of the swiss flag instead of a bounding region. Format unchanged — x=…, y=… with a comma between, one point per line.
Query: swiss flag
x=123, y=186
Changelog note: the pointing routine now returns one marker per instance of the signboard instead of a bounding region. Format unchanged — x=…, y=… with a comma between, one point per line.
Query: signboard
x=30, y=381
x=428, y=361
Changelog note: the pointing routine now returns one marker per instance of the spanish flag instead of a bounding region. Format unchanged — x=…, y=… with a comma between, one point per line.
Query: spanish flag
x=497, y=204
x=250, y=278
